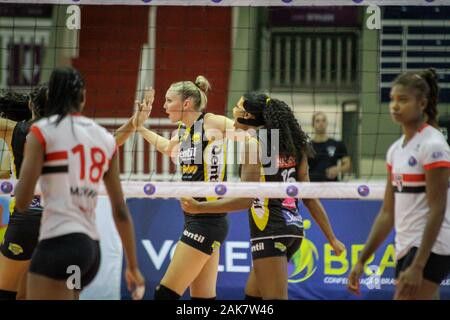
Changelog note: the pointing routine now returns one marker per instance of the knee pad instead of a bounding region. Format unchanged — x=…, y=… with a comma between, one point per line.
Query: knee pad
x=164, y=293
x=247, y=297
x=196, y=298
x=7, y=295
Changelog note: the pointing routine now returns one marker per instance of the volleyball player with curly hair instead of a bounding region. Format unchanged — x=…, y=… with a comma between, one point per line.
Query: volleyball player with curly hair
x=276, y=227
x=19, y=111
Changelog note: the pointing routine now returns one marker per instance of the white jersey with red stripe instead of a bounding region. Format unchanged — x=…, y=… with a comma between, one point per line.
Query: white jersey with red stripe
x=77, y=154
x=407, y=164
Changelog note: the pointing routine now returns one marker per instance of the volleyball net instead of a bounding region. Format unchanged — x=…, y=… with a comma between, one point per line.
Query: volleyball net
x=339, y=60
x=324, y=190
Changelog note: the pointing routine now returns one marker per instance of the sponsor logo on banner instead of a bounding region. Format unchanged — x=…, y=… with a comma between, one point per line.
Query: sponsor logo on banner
x=236, y=255
x=304, y=264
x=374, y=279
x=4, y=216
x=305, y=259
x=314, y=270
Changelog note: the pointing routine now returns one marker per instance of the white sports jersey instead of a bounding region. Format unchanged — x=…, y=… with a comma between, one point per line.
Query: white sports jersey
x=426, y=150
x=77, y=154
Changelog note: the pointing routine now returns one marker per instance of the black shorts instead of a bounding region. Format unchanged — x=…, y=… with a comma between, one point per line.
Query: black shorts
x=21, y=236
x=205, y=233
x=436, y=269
x=53, y=257
x=275, y=247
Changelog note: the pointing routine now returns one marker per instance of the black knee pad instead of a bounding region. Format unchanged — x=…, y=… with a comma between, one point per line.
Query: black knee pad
x=196, y=298
x=7, y=295
x=247, y=297
x=164, y=293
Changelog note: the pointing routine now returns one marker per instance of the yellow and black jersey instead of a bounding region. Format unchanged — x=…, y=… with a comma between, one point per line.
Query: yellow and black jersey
x=271, y=218
x=17, y=146
x=201, y=159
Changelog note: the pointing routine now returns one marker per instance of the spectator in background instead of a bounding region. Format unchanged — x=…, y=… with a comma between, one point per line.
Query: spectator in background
x=331, y=157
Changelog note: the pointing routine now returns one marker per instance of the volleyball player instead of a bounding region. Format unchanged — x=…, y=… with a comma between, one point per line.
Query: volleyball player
x=276, y=227
x=71, y=154
x=200, y=148
x=23, y=228
x=415, y=200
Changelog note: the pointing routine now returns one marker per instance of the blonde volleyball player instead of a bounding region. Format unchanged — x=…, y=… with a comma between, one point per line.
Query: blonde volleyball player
x=415, y=200
x=71, y=154
x=200, y=150
x=276, y=227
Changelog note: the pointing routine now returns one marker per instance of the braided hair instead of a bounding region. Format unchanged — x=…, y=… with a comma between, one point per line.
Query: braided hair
x=65, y=93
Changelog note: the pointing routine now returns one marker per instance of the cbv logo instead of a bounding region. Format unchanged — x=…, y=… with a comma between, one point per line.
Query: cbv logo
x=236, y=255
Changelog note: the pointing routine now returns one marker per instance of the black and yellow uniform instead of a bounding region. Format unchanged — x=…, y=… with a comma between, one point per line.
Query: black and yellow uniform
x=276, y=227
x=202, y=160
x=22, y=234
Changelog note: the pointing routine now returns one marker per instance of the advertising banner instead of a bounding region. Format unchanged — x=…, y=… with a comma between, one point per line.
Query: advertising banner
x=315, y=272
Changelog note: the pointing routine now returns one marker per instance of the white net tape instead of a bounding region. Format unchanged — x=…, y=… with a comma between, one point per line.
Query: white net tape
x=241, y=2
x=326, y=190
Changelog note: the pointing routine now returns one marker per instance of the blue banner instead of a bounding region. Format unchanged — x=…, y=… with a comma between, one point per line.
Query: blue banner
x=4, y=214
x=314, y=272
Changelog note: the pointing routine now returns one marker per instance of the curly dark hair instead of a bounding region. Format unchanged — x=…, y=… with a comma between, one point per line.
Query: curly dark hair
x=426, y=83
x=39, y=99
x=14, y=106
x=276, y=114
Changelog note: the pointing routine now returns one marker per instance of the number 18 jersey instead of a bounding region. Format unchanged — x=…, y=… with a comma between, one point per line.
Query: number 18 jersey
x=77, y=153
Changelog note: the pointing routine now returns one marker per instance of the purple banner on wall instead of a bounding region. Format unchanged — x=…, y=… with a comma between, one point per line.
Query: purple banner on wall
x=26, y=10
x=314, y=17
